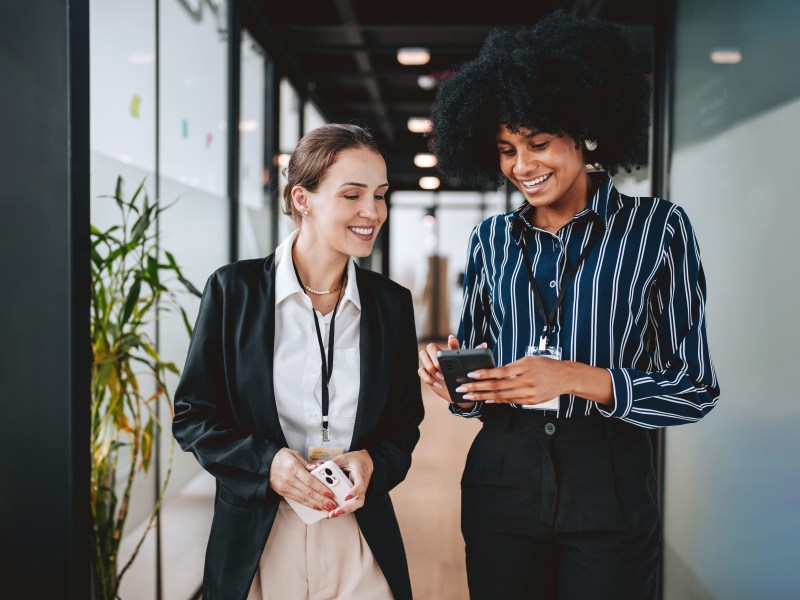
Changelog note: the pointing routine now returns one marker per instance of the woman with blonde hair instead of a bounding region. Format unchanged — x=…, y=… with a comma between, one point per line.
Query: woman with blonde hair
x=298, y=358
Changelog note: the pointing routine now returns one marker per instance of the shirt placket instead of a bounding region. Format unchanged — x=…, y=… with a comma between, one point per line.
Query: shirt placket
x=548, y=276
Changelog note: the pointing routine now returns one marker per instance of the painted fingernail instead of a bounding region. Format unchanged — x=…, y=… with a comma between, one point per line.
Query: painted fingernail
x=473, y=375
x=460, y=389
x=318, y=508
x=348, y=497
x=329, y=495
x=437, y=385
x=439, y=375
x=468, y=396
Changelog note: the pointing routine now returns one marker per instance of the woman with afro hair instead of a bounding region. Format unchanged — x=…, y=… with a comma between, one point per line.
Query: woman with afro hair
x=559, y=490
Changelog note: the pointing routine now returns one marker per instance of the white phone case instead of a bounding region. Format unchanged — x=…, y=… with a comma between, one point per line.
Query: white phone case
x=335, y=480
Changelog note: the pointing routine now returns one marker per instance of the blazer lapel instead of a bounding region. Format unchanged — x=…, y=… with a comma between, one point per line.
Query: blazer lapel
x=371, y=350
x=264, y=408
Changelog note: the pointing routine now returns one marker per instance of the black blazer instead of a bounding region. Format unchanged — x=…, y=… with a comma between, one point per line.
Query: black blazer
x=225, y=414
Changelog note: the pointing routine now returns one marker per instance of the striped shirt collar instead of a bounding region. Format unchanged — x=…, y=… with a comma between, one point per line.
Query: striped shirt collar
x=604, y=203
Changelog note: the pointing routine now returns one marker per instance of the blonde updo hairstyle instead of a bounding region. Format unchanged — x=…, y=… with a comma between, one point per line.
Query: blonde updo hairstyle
x=315, y=153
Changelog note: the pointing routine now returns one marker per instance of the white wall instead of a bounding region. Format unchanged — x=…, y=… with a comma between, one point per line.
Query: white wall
x=732, y=480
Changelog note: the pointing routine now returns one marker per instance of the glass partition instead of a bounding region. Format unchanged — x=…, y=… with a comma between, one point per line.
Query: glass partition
x=123, y=142
x=731, y=482
x=254, y=218
x=193, y=167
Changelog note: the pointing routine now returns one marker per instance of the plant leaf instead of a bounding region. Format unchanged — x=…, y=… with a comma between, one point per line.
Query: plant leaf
x=133, y=297
x=147, y=444
x=186, y=322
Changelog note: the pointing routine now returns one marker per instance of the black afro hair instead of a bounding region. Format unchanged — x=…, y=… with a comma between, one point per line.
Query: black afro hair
x=564, y=75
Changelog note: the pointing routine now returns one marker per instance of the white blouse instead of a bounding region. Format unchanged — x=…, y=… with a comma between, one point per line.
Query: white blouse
x=297, y=372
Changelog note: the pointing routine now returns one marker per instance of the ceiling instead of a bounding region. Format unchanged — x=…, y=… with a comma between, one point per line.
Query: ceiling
x=343, y=55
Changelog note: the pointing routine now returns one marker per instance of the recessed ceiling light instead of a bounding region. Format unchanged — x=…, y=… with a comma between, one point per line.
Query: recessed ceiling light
x=419, y=125
x=427, y=82
x=248, y=126
x=425, y=160
x=413, y=56
x=726, y=56
x=429, y=183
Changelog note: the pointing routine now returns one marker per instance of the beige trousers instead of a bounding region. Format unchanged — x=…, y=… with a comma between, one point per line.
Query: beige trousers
x=324, y=561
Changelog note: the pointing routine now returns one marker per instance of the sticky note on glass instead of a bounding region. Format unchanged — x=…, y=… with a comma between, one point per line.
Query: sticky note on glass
x=135, y=103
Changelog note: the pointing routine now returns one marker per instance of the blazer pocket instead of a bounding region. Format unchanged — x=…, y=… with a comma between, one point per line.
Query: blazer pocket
x=228, y=497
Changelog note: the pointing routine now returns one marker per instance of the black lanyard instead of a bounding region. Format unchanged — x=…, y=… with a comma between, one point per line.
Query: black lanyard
x=550, y=318
x=327, y=365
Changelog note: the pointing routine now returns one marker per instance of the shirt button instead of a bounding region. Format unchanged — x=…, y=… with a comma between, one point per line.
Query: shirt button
x=549, y=429
x=552, y=284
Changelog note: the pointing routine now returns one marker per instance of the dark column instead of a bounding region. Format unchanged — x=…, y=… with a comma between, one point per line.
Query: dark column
x=234, y=94
x=45, y=357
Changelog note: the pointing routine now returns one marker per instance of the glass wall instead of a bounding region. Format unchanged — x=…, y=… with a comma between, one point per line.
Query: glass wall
x=312, y=117
x=173, y=132
x=290, y=107
x=193, y=143
x=732, y=483
x=123, y=144
x=254, y=217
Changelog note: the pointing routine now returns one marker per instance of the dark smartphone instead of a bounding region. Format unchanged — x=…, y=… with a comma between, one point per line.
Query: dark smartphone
x=455, y=364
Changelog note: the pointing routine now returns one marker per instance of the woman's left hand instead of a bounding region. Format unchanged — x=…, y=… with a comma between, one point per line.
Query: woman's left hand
x=529, y=380
x=358, y=466
x=536, y=379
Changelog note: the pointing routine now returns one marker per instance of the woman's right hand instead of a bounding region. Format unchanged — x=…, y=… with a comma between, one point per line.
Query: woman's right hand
x=290, y=477
x=431, y=374
x=429, y=371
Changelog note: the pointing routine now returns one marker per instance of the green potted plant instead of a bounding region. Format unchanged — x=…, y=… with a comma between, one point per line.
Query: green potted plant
x=129, y=284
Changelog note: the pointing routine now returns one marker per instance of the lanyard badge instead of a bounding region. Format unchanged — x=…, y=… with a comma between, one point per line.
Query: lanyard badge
x=543, y=348
x=549, y=317
x=327, y=448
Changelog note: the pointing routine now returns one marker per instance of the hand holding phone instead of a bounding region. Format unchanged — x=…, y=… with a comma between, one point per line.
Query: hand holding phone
x=335, y=480
x=455, y=364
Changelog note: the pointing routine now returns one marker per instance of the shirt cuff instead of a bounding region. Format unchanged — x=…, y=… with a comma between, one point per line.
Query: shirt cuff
x=623, y=394
x=467, y=413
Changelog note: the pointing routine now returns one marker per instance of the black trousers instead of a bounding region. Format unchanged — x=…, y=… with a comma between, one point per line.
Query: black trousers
x=560, y=508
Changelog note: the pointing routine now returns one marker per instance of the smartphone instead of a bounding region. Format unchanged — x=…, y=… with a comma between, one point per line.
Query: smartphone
x=335, y=480
x=455, y=364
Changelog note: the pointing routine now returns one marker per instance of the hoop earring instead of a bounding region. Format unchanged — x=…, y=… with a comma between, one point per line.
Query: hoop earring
x=591, y=145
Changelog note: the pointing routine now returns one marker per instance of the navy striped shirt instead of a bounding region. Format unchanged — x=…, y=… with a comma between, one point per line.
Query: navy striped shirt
x=636, y=305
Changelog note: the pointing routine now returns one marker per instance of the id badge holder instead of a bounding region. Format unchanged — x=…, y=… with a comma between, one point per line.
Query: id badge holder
x=553, y=352
x=325, y=450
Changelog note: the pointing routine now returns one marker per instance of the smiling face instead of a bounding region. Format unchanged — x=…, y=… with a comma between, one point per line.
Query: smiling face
x=547, y=168
x=348, y=207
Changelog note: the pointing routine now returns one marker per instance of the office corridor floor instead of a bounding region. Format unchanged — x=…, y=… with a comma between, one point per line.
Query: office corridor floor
x=428, y=504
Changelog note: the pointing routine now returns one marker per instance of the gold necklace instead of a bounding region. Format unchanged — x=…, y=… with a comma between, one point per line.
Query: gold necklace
x=321, y=292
